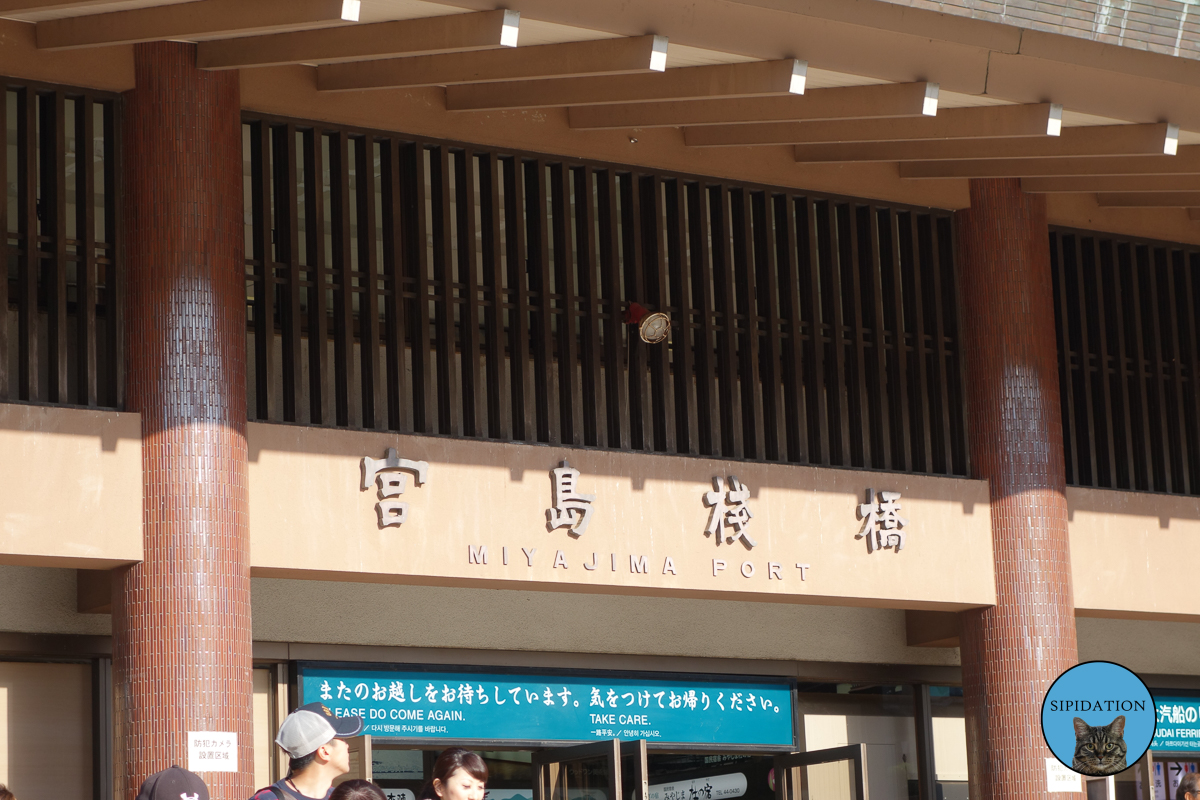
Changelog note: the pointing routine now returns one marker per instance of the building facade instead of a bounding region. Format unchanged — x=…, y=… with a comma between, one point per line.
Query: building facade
x=708, y=400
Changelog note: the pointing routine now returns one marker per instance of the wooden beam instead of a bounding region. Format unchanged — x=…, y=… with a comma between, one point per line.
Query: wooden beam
x=751, y=79
x=1112, y=183
x=449, y=33
x=1037, y=119
x=599, y=57
x=202, y=18
x=1106, y=140
x=1194, y=214
x=1148, y=199
x=32, y=6
x=851, y=102
x=1187, y=162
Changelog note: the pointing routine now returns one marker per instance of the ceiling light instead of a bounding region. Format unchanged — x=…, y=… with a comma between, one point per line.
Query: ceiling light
x=1054, y=124
x=351, y=9
x=510, y=27
x=929, y=107
x=658, y=54
x=1171, y=145
x=799, y=76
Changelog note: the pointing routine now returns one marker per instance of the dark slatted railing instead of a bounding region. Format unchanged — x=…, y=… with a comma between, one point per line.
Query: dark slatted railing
x=439, y=288
x=1127, y=313
x=61, y=341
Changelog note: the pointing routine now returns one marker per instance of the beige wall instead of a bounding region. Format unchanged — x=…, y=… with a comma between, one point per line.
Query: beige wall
x=1126, y=548
x=72, y=483
x=41, y=600
x=310, y=517
x=1145, y=646
x=416, y=616
x=46, y=730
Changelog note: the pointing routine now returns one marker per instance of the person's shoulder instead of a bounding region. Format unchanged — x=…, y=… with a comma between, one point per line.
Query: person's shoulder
x=266, y=793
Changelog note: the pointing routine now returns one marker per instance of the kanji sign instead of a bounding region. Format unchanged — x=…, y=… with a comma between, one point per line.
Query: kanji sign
x=388, y=472
x=212, y=751
x=546, y=707
x=1178, y=723
x=882, y=527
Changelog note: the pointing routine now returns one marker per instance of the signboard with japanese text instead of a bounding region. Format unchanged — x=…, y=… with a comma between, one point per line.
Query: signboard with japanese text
x=450, y=512
x=553, y=708
x=212, y=751
x=1178, y=724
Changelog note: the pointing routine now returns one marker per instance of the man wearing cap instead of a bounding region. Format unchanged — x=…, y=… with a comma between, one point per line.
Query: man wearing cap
x=313, y=738
x=175, y=783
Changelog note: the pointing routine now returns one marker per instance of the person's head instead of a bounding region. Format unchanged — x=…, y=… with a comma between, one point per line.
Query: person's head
x=357, y=790
x=313, y=737
x=5, y=794
x=458, y=774
x=1189, y=787
x=171, y=784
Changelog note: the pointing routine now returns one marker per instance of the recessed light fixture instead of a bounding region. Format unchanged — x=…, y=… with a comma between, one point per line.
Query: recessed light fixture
x=351, y=10
x=658, y=54
x=1054, y=124
x=799, y=76
x=1171, y=145
x=929, y=107
x=510, y=28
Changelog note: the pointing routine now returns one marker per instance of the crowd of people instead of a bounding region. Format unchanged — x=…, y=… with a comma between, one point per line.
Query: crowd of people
x=315, y=742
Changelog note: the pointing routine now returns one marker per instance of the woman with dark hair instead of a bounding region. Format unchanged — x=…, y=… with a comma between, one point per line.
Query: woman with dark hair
x=458, y=774
x=5, y=794
x=357, y=790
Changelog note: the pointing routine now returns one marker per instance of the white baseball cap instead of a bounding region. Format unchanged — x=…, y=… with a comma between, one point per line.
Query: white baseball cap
x=311, y=726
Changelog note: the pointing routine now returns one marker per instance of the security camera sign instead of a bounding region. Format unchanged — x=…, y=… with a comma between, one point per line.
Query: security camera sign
x=212, y=751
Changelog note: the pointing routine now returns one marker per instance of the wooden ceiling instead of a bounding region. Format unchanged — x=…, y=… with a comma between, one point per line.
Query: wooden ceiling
x=632, y=82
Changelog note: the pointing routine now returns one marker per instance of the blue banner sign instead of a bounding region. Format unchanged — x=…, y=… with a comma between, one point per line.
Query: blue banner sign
x=553, y=708
x=1178, y=723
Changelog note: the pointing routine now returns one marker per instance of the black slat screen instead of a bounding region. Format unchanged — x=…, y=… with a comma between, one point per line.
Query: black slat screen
x=1126, y=312
x=438, y=288
x=61, y=342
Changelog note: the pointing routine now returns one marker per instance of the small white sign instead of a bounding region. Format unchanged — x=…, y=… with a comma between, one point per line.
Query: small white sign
x=212, y=751
x=399, y=794
x=1061, y=779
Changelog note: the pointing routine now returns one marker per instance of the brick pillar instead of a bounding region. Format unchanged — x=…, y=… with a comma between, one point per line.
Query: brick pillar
x=181, y=618
x=1011, y=653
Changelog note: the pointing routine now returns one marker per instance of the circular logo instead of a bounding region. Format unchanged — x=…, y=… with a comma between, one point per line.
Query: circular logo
x=1098, y=718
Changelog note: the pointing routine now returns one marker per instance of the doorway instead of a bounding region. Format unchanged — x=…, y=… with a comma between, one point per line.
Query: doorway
x=628, y=770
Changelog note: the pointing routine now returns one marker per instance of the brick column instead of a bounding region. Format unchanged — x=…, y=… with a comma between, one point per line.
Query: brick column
x=1013, y=652
x=181, y=618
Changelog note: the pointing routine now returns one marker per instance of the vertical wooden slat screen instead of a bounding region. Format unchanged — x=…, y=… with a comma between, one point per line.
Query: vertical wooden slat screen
x=483, y=295
x=61, y=290
x=1126, y=313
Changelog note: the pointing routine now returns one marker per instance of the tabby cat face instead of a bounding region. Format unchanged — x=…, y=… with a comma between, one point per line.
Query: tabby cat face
x=1100, y=749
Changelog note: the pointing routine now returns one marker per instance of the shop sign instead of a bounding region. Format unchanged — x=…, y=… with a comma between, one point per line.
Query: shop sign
x=716, y=787
x=1178, y=723
x=399, y=704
